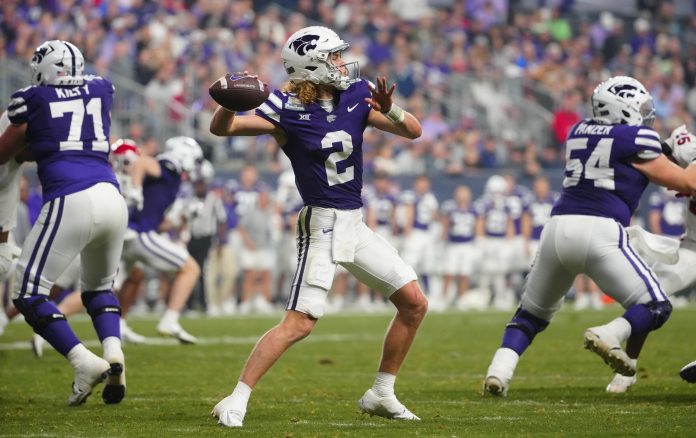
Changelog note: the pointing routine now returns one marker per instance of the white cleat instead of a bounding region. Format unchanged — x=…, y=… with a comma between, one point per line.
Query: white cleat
x=115, y=386
x=176, y=331
x=129, y=336
x=387, y=407
x=228, y=414
x=607, y=346
x=37, y=345
x=620, y=384
x=92, y=371
x=496, y=386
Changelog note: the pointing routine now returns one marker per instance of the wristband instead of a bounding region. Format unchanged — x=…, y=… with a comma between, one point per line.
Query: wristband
x=395, y=114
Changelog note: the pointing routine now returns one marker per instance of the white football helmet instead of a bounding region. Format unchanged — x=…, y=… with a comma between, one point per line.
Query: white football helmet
x=184, y=152
x=306, y=57
x=683, y=146
x=205, y=172
x=57, y=62
x=496, y=185
x=622, y=100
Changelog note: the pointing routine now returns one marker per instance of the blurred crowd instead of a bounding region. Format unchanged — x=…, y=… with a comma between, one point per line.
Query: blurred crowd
x=496, y=83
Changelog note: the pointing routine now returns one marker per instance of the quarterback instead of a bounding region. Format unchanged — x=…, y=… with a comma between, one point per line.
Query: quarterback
x=609, y=160
x=319, y=123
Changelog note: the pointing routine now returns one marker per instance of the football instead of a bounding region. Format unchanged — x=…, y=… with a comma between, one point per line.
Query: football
x=238, y=93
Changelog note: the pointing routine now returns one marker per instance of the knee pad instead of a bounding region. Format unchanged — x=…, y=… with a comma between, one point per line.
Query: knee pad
x=527, y=323
x=660, y=311
x=39, y=312
x=100, y=302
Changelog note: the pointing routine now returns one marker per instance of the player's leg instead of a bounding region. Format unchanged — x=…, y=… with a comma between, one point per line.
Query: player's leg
x=548, y=281
x=100, y=259
x=378, y=265
x=306, y=304
x=161, y=254
x=620, y=272
x=127, y=295
x=54, y=241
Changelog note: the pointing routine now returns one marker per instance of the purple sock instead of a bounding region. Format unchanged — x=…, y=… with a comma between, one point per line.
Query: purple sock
x=640, y=318
x=105, y=310
x=516, y=340
x=46, y=320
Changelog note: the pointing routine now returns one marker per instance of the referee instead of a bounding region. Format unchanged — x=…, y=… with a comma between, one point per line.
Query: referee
x=206, y=218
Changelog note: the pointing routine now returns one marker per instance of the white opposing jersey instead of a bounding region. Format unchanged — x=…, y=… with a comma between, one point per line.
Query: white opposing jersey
x=9, y=186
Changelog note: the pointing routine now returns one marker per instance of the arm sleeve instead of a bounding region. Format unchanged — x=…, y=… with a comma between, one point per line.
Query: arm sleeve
x=272, y=108
x=17, y=109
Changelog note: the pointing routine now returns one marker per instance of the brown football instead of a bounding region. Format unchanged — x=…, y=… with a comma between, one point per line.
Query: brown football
x=238, y=93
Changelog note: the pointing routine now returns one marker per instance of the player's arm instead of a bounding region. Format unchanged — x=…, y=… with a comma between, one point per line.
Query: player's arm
x=654, y=221
x=663, y=172
x=409, y=215
x=226, y=123
x=526, y=225
x=389, y=117
x=12, y=141
x=142, y=167
x=371, y=218
x=510, y=233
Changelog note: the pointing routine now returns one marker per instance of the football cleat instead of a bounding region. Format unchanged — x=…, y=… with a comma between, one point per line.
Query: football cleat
x=115, y=386
x=129, y=336
x=688, y=372
x=496, y=386
x=228, y=414
x=607, y=346
x=387, y=407
x=37, y=345
x=176, y=331
x=92, y=371
x=620, y=384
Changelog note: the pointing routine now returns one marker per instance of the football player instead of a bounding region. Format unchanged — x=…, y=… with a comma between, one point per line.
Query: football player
x=64, y=119
x=159, y=179
x=610, y=159
x=319, y=123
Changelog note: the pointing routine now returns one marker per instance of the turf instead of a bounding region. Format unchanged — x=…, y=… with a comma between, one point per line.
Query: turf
x=558, y=389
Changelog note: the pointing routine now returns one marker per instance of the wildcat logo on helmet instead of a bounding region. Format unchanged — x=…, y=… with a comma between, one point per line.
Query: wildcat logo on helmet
x=304, y=43
x=623, y=90
x=40, y=53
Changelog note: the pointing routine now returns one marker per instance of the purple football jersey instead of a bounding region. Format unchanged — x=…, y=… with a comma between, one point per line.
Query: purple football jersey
x=540, y=213
x=462, y=222
x=518, y=203
x=158, y=195
x=384, y=205
x=496, y=214
x=324, y=148
x=67, y=133
x=672, y=211
x=599, y=178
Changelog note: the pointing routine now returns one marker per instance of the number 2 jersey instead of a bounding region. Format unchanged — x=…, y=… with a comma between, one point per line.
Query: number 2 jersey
x=324, y=148
x=67, y=133
x=600, y=179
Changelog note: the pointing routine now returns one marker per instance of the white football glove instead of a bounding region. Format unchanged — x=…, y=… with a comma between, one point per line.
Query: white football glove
x=134, y=197
x=8, y=259
x=683, y=144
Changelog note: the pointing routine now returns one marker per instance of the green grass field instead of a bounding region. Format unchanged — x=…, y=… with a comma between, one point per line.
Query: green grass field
x=313, y=390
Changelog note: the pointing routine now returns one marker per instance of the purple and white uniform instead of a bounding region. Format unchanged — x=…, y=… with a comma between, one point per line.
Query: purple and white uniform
x=419, y=246
x=383, y=207
x=496, y=247
x=671, y=211
x=539, y=213
x=462, y=255
x=143, y=243
x=586, y=232
x=83, y=211
x=324, y=146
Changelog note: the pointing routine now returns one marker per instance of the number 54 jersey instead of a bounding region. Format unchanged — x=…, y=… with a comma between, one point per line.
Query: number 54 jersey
x=600, y=179
x=324, y=148
x=67, y=133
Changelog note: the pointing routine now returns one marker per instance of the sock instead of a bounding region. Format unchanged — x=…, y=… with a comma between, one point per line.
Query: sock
x=170, y=317
x=76, y=355
x=620, y=327
x=112, y=348
x=241, y=395
x=105, y=311
x=504, y=363
x=384, y=384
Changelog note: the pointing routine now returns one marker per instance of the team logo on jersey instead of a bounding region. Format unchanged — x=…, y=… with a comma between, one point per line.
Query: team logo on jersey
x=330, y=118
x=623, y=90
x=305, y=116
x=304, y=44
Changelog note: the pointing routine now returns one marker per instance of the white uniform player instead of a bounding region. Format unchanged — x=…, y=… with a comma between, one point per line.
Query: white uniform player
x=9, y=199
x=609, y=162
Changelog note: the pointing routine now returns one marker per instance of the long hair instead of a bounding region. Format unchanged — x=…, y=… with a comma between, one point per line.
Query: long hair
x=306, y=91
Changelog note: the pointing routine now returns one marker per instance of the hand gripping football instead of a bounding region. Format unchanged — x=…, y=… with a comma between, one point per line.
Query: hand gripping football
x=238, y=93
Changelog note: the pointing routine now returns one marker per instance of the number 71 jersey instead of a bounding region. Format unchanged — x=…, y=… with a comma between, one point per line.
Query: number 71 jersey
x=324, y=148
x=600, y=179
x=67, y=133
